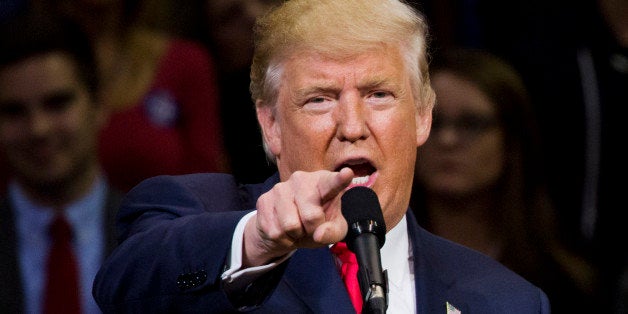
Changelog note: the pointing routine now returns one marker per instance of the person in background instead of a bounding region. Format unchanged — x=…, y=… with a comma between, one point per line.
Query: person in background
x=227, y=27
x=343, y=97
x=574, y=62
x=8, y=9
x=160, y=90
x=49, y=125
x=577, y=70
x=479, y=179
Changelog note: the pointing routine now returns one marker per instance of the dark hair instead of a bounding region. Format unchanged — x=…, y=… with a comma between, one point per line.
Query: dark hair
x=29, y=33
x=525, y=217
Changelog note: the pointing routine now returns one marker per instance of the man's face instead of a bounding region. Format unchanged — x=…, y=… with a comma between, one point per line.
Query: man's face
x=48, y=123
x=358, y=112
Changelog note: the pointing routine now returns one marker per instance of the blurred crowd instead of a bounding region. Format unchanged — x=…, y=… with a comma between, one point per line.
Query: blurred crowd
x=524, y=161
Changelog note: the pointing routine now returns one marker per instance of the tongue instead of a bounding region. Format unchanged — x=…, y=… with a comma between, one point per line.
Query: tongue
x=362, y=170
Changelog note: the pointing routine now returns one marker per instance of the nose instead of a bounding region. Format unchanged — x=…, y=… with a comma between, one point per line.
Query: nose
x=40, y=122
x=445, y=135
x=352, y=118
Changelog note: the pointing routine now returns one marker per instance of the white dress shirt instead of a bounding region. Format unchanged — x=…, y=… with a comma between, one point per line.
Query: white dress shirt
x=32, y=221
x=396, y=256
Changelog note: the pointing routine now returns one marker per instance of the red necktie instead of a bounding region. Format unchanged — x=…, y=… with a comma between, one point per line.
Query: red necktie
x=349, y=273
x=62, y=285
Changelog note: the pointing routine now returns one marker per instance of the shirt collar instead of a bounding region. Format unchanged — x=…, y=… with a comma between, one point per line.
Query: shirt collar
x=82, y=212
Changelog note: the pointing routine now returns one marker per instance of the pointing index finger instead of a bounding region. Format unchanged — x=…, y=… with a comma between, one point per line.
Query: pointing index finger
x=334, y=183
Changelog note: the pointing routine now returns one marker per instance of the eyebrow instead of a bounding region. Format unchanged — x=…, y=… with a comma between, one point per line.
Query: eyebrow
x=329, y=86
x=63, y=94
x=324, y=87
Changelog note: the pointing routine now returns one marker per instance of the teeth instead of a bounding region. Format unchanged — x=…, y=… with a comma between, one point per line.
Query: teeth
x=360, y=180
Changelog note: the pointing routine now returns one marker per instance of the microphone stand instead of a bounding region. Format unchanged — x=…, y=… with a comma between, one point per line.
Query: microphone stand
x=372, y=279
x=365, y=238
x=376, y=299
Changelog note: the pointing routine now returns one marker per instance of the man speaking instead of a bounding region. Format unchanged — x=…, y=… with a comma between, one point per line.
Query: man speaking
x=343, y=99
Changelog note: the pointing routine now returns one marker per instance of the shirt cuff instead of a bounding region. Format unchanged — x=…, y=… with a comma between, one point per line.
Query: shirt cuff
x=237, y=278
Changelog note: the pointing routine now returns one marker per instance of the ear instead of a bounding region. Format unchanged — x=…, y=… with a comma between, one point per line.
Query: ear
x=271, y=132
x=423, y=125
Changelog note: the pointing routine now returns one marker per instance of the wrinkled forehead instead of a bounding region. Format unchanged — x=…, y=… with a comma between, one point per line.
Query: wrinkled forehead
x=379, y=64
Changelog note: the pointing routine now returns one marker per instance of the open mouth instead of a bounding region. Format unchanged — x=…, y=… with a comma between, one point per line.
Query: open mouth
x=362, y=169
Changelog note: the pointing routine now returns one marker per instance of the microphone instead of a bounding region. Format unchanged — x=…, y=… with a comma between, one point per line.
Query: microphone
x=365, y=237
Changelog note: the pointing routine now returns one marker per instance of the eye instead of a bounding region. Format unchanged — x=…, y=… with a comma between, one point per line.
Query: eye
x=316, y=100
x=318, y=104
x=380, y=94
x=59, y=102
x=12, y=110
x=380, y=98
x=437, y=122
x=476, y=123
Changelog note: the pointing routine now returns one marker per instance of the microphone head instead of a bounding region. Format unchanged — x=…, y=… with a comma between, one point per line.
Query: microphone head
x=361, y=209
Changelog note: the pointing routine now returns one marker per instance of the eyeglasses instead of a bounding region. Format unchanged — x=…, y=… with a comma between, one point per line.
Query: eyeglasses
x=468, y=126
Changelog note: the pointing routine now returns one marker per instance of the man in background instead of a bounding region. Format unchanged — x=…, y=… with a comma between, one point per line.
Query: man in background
x=58, y=209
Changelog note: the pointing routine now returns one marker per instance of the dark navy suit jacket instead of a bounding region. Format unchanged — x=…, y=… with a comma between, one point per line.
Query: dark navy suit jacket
x=177, y=232
x=11, y=287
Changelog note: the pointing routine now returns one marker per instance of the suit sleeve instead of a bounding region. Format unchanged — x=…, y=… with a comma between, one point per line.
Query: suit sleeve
x=175, y=236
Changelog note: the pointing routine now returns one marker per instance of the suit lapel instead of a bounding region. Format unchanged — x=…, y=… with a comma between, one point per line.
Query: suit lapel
x=112, y=204
x=11, y=294
x=430, y=289
x=313, y=277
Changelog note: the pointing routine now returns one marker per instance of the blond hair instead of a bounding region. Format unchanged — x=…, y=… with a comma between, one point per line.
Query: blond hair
x=339, y=29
